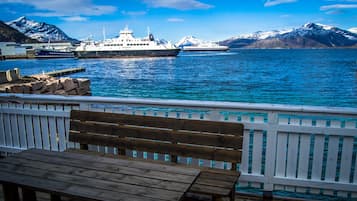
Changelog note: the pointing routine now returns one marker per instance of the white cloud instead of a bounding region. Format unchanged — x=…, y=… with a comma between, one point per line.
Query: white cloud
x=65, y=8
x=338, y=6
x=353, y=30
x=178, y=4
x=269, y=3
x=133, y=13
x=175, y=19
x=75, y=19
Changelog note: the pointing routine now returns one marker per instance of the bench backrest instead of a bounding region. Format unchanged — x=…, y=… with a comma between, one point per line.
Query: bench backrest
x=219, y=141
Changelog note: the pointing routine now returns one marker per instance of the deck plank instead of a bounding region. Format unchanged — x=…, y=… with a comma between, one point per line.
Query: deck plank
x=99, y=165
x=92, y=178
x=85, y=172
x=100, y=184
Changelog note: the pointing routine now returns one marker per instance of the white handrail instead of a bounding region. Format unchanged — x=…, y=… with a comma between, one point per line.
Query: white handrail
x=178, y=103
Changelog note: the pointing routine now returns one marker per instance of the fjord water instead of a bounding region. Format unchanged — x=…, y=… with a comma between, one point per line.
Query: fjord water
x=324, y=77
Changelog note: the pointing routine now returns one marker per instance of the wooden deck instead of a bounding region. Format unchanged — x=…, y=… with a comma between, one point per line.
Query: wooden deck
x=239, y=197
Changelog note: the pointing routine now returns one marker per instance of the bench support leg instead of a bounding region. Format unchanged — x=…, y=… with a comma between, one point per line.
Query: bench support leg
x=28, y=195
x=233, y=194
x=83, y=146
x=55, y=197
x=267, y=195
x=11, y=192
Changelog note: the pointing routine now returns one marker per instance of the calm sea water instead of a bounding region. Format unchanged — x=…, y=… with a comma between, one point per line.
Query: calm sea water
x=303, y=77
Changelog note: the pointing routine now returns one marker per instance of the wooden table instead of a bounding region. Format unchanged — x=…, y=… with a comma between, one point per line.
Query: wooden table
x=91, y=177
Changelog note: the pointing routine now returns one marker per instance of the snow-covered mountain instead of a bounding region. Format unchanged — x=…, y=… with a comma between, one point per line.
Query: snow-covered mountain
x=310, y=35
x=189, y=41
x=40, y=31
x=261, y=35
x=9, y=34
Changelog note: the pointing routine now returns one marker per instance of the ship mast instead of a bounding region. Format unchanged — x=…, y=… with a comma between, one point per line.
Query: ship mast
x=104, y=33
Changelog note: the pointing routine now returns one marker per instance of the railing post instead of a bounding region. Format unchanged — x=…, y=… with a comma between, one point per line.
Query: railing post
x=214, y=115
x=272, y=133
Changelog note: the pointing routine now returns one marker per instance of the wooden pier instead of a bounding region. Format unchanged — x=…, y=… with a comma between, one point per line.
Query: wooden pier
x=67, y=71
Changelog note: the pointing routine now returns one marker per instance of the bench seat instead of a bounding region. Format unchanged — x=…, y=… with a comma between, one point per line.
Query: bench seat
x=219, y=141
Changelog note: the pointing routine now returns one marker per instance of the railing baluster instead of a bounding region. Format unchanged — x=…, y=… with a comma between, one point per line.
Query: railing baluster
x=272, y=134
x=21, y=127
x=61, y=135
x=332, y=154
x=305, y=141
x=316, y=173
x=37, y=127
x=2, y=127
x=292, y=155
x=14, y=128
x=29, y=128
x=44, y=129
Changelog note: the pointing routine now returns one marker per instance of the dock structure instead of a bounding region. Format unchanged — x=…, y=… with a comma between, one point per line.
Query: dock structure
x=67, y=71
x=45, y=83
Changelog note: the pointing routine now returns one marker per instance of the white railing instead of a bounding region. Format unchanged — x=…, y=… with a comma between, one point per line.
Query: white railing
x=302, y=149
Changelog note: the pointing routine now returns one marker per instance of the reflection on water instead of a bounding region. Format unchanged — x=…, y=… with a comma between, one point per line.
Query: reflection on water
x=307, y=77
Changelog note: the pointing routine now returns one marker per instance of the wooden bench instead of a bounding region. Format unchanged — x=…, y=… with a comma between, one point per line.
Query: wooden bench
x=218, y=141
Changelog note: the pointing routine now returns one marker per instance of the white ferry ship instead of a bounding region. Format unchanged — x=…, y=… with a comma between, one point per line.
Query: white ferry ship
x=126, y=46
x=207, y=46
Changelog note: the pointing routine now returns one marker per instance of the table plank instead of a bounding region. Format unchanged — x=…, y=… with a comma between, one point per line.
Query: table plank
x=109, y=167
x=97, y=178
x=169, y=168
x=113, y=187
x=128, y=179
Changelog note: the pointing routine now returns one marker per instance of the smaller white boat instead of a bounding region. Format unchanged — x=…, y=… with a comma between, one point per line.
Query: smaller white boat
x=206, y=47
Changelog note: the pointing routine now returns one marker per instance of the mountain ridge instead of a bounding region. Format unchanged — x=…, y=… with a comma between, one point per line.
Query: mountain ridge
x=310, y=35
x=9, y=34
x=40, y=31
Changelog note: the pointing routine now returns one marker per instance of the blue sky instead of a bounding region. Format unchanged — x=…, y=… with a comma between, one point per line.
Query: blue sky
x=174, y=19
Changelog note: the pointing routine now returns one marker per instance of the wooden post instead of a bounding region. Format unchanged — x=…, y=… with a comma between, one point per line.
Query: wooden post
x=11, y=192
x=233, y=193
x=28, y=194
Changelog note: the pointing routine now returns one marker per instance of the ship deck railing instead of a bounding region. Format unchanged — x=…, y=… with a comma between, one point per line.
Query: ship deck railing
x=298, y=150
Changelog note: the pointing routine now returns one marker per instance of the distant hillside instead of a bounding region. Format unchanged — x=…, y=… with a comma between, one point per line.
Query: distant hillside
x=40, y=31
x=310, y=35
x=9, y=34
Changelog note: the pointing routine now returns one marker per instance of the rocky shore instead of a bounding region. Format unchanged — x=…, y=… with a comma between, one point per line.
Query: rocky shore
x=12, y=82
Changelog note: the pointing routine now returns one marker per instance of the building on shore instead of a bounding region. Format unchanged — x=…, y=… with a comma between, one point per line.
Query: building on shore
x=12, y=49
x=61, y=46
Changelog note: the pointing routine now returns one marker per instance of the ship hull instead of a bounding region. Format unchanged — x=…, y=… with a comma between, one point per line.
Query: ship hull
x=127, y=53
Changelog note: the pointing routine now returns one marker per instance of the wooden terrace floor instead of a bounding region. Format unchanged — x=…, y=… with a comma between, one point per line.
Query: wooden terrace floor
x=239, y=197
